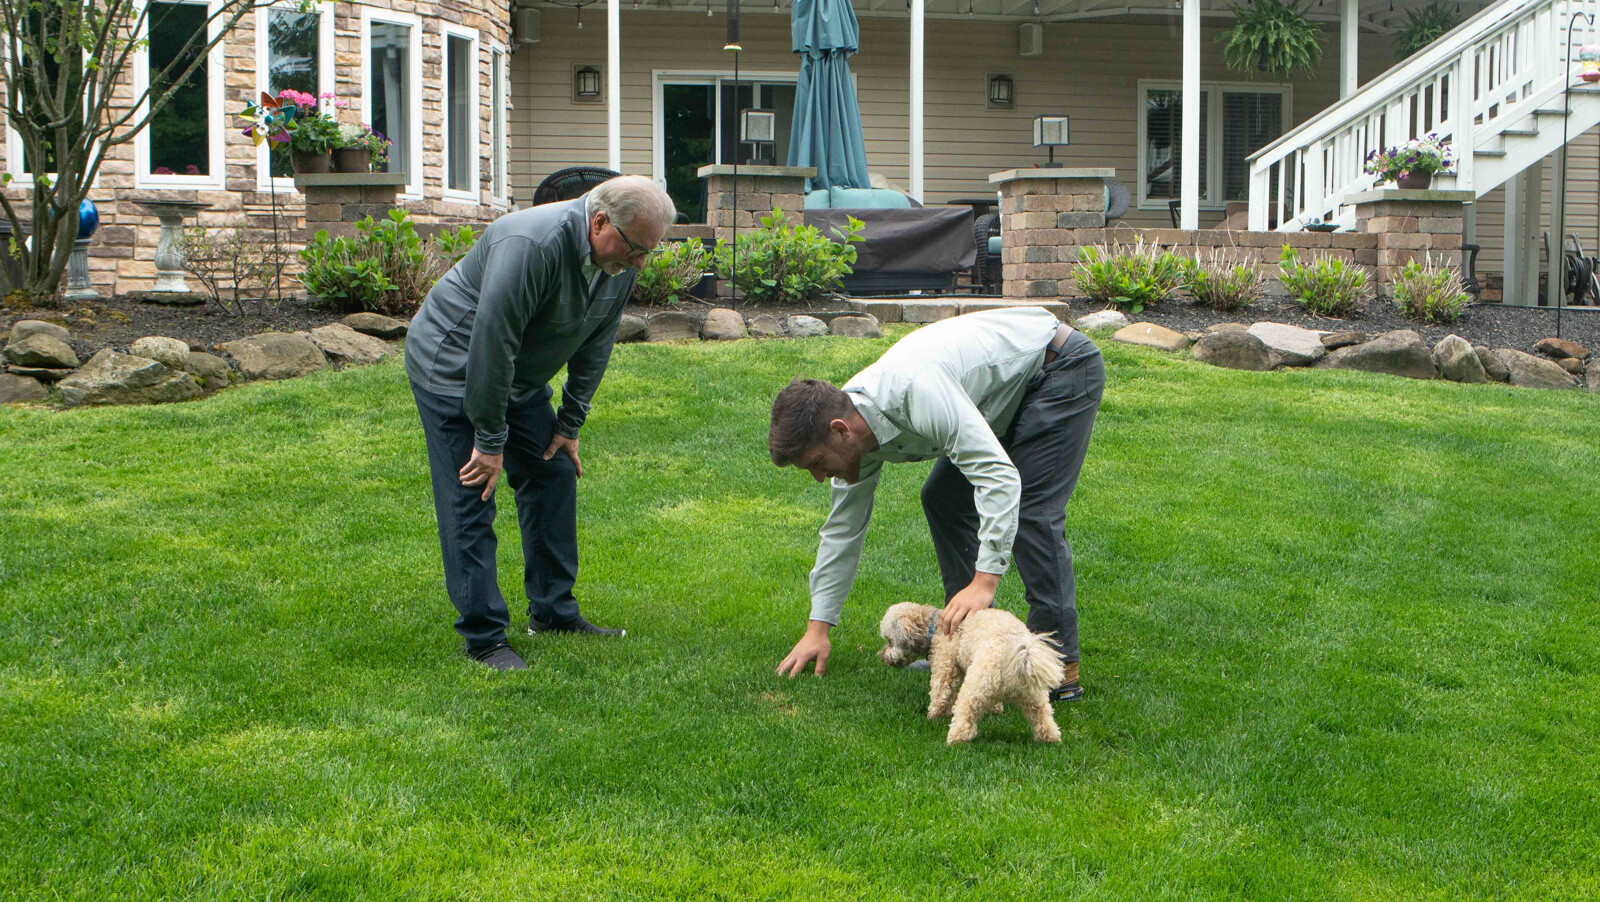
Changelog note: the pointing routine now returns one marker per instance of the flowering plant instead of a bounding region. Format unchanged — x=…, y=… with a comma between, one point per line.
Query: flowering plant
x=1589, y=61
x=1419, y=156
x=362, y=136
x=294, y=118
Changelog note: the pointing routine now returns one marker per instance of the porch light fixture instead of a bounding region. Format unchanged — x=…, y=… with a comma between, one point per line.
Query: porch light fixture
x=586, y=84
x=1002, y=91
x=1051, y=132
x=758, y=128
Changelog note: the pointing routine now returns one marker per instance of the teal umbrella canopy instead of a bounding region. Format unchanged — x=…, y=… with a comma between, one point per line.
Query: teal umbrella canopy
x=826, y=129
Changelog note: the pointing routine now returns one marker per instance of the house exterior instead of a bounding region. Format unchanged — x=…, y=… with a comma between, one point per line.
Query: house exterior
x=485, y=111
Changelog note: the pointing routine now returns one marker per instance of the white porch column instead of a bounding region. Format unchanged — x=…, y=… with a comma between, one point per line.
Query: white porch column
x=917, y=22
x=1520, y=284
x=614, y=85
x=1189, y=195
x=1349, y=18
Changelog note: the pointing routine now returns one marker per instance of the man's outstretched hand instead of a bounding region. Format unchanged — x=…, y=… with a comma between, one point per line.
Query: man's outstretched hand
x=979, y=594
x=813, y=646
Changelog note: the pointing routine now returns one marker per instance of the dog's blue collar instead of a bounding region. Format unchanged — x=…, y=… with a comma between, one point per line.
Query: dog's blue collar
x=933, y=625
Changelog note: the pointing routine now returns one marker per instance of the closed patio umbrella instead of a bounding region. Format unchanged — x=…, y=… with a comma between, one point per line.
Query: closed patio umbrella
x=826, y=129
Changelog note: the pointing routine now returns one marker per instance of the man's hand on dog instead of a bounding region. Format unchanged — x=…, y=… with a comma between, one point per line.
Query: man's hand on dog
x=978, y=594
x=813, y=646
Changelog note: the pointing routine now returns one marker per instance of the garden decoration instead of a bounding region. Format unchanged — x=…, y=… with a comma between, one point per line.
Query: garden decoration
x=1273, y=37
x=1423, y=27
x=1412, y=164
x=1589, y=62
x=79, y=288
x=170, y=287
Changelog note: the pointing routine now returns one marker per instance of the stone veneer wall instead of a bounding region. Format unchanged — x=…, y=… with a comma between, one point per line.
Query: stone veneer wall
x=122, y=255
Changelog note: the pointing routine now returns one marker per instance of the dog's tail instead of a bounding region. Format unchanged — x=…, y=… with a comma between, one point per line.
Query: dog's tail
x=1037, y=662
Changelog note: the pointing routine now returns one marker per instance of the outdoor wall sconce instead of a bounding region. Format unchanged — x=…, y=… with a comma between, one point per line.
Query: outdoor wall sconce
x=1002, y=91
x=1051, y=132
x=586, y=84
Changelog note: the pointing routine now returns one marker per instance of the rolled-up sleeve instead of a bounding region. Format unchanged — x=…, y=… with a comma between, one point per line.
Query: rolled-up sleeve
x=839, y=553
x=939, y=410
x=514, y=278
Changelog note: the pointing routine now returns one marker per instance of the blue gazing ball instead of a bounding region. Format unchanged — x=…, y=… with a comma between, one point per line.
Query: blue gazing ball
x=88, y=218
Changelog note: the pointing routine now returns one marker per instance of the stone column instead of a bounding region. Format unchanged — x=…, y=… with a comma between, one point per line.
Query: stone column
x=1045, y=216
x=760, y=189
x=1411, y=225
x=336, y=201
x=170, y=287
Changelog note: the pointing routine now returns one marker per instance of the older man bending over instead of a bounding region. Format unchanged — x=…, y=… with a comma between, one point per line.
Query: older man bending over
x=543, y=288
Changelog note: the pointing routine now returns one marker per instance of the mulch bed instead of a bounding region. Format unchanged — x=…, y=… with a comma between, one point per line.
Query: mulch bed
x=117, y=322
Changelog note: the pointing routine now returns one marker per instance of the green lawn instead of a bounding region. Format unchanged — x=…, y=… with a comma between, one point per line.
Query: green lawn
x=1339, y=643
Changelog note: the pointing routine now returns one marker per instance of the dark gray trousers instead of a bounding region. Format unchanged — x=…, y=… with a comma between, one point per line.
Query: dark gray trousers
x=1047, y=442
x=546, y=493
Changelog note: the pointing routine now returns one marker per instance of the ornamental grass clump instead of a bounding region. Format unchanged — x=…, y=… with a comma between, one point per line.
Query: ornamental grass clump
x=1324, y=286
x=783, y=264
x=1130, y=276
x=1430, y=293
x=1222, y=280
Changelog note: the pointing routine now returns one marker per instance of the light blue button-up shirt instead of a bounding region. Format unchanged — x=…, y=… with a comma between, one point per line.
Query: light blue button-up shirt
x=947, y=390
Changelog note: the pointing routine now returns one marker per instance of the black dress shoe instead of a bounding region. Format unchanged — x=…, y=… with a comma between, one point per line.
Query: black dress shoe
x=498, y=657
x=575, y=625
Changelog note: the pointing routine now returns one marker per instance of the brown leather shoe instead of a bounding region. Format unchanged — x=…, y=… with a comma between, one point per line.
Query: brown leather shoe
x=1070, y=689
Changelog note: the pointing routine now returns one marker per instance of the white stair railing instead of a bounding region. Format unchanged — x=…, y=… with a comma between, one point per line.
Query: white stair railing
x=1467, y=88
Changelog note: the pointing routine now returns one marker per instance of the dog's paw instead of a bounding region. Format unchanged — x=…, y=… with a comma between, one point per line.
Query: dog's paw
x=938, y=713
x=997, y=708
x=961, y=733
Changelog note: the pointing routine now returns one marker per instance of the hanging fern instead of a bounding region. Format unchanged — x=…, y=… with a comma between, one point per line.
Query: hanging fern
x=1273, y=37
x=1423, y=27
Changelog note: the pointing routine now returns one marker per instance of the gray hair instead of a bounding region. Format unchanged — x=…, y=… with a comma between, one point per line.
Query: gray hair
x=628, y=198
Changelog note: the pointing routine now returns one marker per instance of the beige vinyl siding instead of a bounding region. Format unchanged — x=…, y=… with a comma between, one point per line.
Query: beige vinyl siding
x=1089, y=70
x=1583, y=196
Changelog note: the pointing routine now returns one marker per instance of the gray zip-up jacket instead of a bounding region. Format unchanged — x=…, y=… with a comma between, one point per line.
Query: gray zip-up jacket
x=502, y=322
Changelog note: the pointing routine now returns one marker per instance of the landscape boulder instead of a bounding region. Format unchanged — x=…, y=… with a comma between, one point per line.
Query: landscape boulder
x=42, y=373
x=1297, y=346
x=1492, y=367
x=1457, y=361
x=806, y=326
x=861, y=325
x=672, y=326
x=16, y=389
x=344, y=344
x=1591, y=379
x=113, y=378
x=632, y=327
x=1528, y=371
x=211, y=371
x=169, y=351
x=377, y=325
x=1151, y=335
x=41, y=350
x=275, y=355
x=765, y=325
x=23, y=328
x=1236, y=349
x=1557, y=348
x=722, y=324
x=1333, y=341
x=1398, y=353
x=1102, y=319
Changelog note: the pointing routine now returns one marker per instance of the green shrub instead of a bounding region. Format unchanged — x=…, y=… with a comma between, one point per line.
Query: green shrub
x=1222, y=281
x=387, y=269
x=1430, y=293
x=1324, y=286
x=666, y=276
x=1133, y=276
x=783, y=264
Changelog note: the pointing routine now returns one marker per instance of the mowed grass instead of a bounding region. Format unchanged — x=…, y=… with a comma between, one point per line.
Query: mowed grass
x=1339, y=642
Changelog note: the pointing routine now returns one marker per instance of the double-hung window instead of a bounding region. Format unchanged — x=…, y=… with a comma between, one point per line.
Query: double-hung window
x=1235, y=121
x=391, y=84
x=182, y=145
x=294, y=50
x=499, y=106
x=34, y=30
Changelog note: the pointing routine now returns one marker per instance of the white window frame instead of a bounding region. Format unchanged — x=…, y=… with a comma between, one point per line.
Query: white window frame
x=660, y=78
x=369, y=15
x=1212, y=199
x=325, y=79
x=474, y=124
x=14, y=151
x=215, y=67
x=499, y=152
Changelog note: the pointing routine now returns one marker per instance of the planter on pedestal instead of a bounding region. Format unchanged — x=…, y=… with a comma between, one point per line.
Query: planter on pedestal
x=307, y=162
x=352, y=159
x=1415, y=181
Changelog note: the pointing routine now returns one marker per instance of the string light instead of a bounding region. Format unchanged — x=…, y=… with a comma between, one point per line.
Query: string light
x=580, y=18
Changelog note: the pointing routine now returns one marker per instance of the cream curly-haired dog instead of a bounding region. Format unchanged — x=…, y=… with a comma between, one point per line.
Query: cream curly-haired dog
x=992, y=659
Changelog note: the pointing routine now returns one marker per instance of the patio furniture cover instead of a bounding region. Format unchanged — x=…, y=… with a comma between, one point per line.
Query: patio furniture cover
x=904, y=248
x=826, y=129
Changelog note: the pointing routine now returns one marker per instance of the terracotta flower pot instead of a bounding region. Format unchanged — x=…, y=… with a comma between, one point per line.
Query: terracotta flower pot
x=1415, y=181
x=352, y=159
x=305, y=162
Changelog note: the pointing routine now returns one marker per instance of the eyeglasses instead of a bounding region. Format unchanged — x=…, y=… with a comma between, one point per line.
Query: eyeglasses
x=635, y=251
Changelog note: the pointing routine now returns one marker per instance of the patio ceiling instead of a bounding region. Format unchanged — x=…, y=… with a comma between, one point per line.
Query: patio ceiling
x=1377, y=16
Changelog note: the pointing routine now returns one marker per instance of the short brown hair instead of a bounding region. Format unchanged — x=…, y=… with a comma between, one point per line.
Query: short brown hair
x=800, y=417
